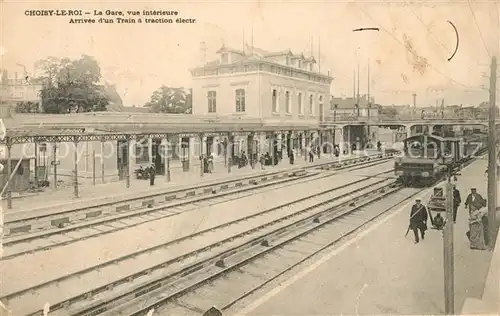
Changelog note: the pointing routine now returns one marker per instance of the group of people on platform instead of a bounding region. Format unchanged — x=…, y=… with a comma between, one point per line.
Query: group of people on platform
x=478, y=220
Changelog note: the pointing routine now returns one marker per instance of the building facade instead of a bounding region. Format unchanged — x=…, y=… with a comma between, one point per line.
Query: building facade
x=19, y=89
x=260, y=84
x=254, y=83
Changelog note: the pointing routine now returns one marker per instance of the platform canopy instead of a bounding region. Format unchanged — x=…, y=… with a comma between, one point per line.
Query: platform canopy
x=32, y=134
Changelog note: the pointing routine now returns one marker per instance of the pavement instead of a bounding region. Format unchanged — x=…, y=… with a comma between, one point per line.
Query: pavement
x=387, y=272
x=65, y=196
x=40, y=267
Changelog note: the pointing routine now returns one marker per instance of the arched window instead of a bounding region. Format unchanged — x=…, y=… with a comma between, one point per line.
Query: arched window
x=240, y=100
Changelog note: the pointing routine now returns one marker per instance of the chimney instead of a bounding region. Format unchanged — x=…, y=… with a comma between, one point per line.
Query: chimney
x=5, y=76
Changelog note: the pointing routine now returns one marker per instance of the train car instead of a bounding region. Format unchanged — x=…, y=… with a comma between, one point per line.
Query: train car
x=426, y=157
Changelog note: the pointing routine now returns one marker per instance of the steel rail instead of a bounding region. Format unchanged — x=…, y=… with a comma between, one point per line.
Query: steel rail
x=64, y=303
x=101, y=306
x=281, y=183
x=225, y=270
x=166, y=191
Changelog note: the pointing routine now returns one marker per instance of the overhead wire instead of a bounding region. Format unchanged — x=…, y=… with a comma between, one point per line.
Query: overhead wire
x=429, y=31
x=477, y=26
x=402, y=44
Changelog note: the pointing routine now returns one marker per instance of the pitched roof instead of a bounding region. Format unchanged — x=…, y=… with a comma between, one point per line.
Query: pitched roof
x=225, y=48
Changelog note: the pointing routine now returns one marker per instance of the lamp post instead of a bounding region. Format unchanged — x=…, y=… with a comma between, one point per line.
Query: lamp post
x=439, y=203
x=368, y=114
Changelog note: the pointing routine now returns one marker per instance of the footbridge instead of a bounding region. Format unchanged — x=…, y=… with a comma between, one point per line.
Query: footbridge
x=404, y=121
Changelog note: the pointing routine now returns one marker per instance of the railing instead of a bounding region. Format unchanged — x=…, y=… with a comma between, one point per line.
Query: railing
x=399, y=117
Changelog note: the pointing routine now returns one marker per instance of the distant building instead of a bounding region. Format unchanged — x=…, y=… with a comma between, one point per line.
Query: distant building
x=135, y=109
x=115, y=101
x=17, y=89
x=342, y=107
x=261, y=84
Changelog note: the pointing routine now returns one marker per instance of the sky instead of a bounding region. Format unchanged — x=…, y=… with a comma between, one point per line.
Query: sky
x=408, y=55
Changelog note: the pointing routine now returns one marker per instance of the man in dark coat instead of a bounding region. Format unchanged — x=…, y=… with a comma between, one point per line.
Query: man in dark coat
x=474, y=200
x=418, y=219
x=456, y=202
x=152, y=174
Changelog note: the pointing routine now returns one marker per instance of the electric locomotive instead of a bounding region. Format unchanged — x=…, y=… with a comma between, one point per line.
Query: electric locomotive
x=426, y=157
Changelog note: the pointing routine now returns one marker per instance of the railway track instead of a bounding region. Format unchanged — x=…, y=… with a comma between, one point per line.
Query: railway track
x=33, y=221
x=226, y=278
x=287, y=240
x=106, y=277
x=90, y=227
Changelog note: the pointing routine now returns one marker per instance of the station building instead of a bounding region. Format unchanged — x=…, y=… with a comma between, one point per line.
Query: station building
x=240, y=88
x=282, y=87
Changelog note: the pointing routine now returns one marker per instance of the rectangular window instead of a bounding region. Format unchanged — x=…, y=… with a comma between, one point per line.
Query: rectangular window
x=321, y=108
x=224, y=58
x=311, y=103
x=240, y=100
x=299, y=101
x=275, y=100
x=288, y=101
x=142, y=151
x=212, y=101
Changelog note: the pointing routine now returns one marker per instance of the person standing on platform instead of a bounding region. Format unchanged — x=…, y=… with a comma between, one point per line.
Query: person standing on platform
x=418, y=219
x=152, y=174
x=478, y=232
x=311, y=154
x=211, y=162
x=456, y=202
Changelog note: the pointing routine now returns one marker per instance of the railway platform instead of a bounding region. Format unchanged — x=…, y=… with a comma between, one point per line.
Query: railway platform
x=21, y=272
x=380, y=271
x=89, y=194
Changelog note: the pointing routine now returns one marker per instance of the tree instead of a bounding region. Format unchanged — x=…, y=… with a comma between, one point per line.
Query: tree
x=71, y=85
x=27, y=107
x=170, y=100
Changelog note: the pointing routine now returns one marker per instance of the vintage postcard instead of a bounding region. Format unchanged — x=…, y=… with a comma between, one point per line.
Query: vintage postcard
x=249, y=157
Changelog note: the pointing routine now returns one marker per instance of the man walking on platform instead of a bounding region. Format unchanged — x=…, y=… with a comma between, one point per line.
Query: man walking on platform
x=456, y=202
x=418, y=219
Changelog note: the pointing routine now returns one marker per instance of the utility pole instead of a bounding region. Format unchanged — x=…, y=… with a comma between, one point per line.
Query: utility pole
x=492, y=161
x=357, y=92
x=448, y=251
x=369, y=103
